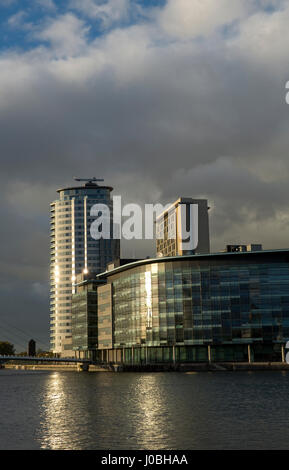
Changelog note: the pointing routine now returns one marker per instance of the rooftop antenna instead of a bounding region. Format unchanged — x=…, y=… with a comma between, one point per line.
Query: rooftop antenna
x=88, y=180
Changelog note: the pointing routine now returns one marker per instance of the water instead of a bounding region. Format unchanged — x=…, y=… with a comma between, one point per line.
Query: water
x=70, y=410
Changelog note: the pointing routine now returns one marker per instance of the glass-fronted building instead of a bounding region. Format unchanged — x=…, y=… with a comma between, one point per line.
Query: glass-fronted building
x=222, y=307
x=74, y=251
x=84, y=320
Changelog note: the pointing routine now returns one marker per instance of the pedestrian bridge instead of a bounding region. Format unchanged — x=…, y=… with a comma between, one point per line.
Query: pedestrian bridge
x=66, y=360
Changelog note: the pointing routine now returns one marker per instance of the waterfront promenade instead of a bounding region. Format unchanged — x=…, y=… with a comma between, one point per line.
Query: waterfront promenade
x=186, y=367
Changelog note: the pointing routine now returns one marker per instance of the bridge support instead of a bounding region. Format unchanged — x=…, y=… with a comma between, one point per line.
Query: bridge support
x=83, y=367
x=283, y=353
x=249, y=354
x=209, y=354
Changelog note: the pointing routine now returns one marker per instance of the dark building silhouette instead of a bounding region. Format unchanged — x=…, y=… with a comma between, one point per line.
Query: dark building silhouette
x=32, y=348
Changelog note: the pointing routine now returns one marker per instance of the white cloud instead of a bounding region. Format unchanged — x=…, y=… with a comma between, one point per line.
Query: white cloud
x=66, y=34
x=190, y=18
x=264, y=38
x=17, y=20
x=108, y=12
x=47, y=4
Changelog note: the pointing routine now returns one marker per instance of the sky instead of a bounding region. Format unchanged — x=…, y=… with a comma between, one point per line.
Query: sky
x=161, y=98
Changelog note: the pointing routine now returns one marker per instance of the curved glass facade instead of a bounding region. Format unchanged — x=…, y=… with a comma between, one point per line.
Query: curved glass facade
x=224, y=299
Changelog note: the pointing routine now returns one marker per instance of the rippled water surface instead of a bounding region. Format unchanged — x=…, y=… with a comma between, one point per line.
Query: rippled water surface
x=70, y=410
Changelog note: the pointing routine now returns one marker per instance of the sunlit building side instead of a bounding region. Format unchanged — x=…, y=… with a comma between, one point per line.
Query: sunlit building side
x=219, y=307
x=186, y=218
x=74, y=251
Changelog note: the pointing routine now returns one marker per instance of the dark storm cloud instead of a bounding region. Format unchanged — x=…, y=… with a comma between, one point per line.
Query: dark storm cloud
x=165, y=108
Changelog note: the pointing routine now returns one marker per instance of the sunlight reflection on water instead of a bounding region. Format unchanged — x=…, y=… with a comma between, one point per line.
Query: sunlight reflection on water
x=67, y=410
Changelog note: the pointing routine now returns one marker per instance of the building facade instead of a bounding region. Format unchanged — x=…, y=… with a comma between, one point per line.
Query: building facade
x=74, y=251
x=220, y=307
x=183, y=228
x=84, y=320
x=105, y=321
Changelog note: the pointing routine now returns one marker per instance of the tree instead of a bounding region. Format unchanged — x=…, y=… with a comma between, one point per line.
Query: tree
x=6, y=348
x=41, y=353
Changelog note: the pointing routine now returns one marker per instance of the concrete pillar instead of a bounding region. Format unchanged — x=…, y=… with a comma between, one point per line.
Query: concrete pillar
x=132, y=355
x=123, y=355
x=174, y=354
x=209, y=353
x=146, y=354
x=249, y=354
x=283, y=353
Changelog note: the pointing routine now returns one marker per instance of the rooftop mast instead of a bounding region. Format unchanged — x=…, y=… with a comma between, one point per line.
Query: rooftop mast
x=88, y=180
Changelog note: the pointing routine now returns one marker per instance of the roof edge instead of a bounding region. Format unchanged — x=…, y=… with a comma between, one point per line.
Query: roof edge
x=186, y=257
x=85, y=187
